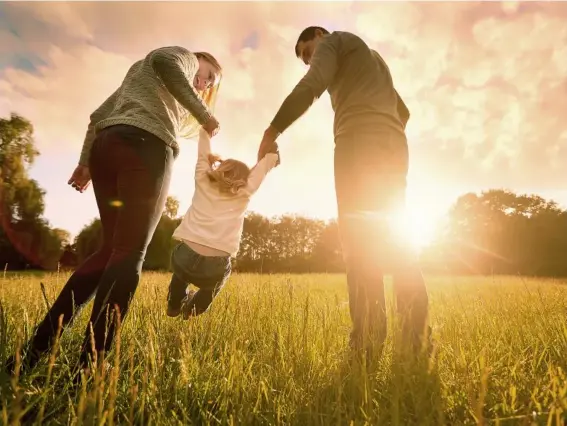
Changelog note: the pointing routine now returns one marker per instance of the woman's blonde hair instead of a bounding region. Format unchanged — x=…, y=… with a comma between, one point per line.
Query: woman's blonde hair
x=190, y=126
x=230, y=175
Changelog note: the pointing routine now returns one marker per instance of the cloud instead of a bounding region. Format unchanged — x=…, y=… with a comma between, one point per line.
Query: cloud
x=57, y=98
x=484, y=82
x=478, y=85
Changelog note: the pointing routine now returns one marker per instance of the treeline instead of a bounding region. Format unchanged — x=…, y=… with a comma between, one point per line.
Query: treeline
x=280, y=244
x=499, y=232
x=495, y=232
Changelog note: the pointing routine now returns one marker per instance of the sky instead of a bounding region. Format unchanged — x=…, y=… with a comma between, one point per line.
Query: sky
x=486, y=84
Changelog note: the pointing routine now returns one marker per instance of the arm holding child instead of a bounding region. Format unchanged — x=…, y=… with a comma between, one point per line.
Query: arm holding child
x=322, y=71
x=176, y=67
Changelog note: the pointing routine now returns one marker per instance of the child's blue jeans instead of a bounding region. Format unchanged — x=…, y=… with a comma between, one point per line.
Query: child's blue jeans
x=208, y=273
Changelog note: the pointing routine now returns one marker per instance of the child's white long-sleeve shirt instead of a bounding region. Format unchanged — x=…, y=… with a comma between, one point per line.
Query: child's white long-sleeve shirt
x=215, y=219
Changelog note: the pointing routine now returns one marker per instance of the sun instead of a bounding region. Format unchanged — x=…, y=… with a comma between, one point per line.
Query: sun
x=424, y=214
x=416, y=226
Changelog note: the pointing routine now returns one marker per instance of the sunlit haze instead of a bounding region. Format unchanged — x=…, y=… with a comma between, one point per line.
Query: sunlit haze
x=484, y=82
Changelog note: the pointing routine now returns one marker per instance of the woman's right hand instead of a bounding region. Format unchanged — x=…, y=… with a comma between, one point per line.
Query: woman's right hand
x=81, y=178
x=212, y=126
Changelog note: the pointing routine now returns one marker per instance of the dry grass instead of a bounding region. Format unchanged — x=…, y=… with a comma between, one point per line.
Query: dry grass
x=273, y=350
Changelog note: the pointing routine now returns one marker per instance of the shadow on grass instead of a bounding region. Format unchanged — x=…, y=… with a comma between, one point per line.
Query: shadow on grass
x=394, y=388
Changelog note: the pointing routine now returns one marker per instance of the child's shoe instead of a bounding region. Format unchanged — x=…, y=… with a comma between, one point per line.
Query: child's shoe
x=173, y=307
x=187, y=307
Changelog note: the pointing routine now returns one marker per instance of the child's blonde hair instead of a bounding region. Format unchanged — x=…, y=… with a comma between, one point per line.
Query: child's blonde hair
x=230, y=175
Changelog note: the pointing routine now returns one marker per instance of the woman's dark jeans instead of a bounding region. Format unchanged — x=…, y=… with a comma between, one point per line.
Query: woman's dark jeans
x=130, y=170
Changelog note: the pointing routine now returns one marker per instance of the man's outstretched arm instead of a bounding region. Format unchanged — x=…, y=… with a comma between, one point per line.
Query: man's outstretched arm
x=324, y=65
x=321, y=72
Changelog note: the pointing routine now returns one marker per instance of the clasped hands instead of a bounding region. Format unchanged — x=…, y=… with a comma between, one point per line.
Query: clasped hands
x=269, y=145
x=81, y=177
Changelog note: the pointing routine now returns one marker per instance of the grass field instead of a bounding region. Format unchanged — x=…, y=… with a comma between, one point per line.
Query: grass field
x=273, y=350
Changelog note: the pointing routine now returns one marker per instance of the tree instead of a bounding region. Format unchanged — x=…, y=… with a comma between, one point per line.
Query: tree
x=63, y=235
x=327, y=253
x=69, y=258
x=255, y=244
x=88, y=240
x=162, y=244
x=289, y=243
x=502, y=232
x=171, y=207
x=159, y=250
x=26, y=239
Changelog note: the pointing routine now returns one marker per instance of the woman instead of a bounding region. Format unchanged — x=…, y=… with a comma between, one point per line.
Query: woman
x=128, y=152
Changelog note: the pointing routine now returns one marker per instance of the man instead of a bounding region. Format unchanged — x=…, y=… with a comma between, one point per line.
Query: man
x=371, y=165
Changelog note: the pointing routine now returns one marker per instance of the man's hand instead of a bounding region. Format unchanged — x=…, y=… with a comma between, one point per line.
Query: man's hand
x=81, y=178
x=268, y=144
x=212, y=126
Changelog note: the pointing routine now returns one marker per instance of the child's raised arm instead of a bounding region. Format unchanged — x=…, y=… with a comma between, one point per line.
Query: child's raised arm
x=203, y=151
x=260, y=170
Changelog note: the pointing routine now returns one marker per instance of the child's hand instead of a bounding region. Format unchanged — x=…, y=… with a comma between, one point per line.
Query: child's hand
x=211, y=126
x=268, y=143
x=276, y=150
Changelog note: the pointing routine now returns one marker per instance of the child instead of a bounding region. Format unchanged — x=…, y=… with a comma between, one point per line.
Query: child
x=211, y=230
